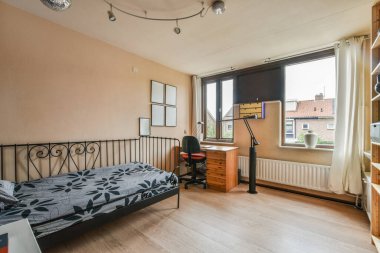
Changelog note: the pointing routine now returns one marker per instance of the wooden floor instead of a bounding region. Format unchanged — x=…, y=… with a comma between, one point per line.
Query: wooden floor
x=209, y=221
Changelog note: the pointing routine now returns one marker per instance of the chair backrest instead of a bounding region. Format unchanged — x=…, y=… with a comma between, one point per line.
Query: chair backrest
x=190, y=145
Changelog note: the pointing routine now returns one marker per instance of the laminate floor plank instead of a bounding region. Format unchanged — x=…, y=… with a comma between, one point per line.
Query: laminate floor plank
x=210, y=221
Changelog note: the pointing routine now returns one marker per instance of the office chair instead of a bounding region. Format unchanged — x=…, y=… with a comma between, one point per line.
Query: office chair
x=191, y=153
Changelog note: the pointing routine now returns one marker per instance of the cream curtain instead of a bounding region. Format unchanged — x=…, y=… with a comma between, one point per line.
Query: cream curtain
x=197, y=108
x=345, y=174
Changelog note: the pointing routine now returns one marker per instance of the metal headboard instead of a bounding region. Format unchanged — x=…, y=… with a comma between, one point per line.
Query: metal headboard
x=25, y=162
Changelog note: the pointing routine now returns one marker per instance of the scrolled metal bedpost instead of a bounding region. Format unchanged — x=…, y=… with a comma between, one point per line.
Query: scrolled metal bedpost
x=178, y=198
x=2, y=162
x=15, y=160
x=179, y=166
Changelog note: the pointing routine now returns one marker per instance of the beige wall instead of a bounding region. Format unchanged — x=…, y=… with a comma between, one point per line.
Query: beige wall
x=87, y=90
x=58, y=85
x=267, y=132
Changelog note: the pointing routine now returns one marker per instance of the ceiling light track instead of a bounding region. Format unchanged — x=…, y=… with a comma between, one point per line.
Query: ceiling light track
x=217, y=6
x=199, y=13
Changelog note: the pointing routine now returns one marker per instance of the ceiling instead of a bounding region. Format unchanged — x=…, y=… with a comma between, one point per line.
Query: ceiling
x=247, y=33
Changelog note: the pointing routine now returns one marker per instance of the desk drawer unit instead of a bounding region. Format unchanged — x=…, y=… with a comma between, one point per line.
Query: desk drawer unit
x=217, y=172
x=221, y=172
x=216, y=155
x=212, y=163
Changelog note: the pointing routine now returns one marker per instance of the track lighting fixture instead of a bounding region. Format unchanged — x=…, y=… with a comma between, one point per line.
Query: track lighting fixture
x=218, y=7
x=177, y=30
x=111, y=16
x=57, y=5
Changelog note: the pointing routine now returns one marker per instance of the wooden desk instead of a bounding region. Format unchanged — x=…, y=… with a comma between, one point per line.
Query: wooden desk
x=221, y=172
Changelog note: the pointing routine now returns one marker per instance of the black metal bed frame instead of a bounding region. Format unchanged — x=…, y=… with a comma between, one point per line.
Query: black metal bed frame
x=25, y=162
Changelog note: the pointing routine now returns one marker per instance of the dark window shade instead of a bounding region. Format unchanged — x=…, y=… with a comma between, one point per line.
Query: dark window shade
x=260, y=86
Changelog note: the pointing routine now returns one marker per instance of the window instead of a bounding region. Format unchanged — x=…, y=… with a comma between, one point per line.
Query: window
x=330, y=126
x=289, y=129
x=218, y=110
x=211, y=111
x=311, y=86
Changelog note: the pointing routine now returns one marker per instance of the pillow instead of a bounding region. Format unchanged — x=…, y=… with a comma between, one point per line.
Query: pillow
x=7, y=186
x=6, y=192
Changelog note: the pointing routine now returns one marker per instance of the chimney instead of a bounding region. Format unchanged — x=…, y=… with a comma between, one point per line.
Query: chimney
x=319, y=96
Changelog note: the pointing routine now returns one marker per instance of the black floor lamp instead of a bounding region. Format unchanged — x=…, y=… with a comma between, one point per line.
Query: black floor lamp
x=252, y=158
x=252, y=154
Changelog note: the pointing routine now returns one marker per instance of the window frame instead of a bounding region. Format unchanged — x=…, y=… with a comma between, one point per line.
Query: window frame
x=330, y=128
x=293, y=127
x=299, y=60
x=219, y=97
x=304, y=57
x=305, y=128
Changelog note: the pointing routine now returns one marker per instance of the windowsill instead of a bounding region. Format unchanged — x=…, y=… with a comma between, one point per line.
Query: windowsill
x=220, y=143
x=305, y=148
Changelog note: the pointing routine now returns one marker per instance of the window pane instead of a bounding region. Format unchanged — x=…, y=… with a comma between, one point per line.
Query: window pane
x=289, y=129
x=310, y=100
x=331, y=126
x=211, y=111
x=227, y=109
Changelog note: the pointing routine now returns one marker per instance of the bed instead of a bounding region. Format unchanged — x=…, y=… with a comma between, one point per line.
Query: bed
x=72, y=187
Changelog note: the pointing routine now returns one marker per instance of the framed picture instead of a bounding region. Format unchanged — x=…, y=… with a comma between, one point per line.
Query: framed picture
x=144, y=126
x=170, y=95
x=158, y=115
x=157, y=92
x=171, y=116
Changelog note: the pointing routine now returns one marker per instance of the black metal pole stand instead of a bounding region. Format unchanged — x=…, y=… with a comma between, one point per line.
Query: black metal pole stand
x=252, y=155
x=252, y=160
x=252, y=170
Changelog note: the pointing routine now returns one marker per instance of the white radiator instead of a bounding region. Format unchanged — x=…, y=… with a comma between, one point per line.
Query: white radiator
x=304, y=175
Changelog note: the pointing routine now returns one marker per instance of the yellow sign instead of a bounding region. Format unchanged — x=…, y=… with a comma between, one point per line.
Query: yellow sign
x=252, y=110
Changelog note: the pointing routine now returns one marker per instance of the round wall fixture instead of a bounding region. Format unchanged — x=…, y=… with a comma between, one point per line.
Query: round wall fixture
x=57, y=5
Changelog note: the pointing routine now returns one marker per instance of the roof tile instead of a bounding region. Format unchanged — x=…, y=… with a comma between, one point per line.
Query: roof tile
x=313, y=109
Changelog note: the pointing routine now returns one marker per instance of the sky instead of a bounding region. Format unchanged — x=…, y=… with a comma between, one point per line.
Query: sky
x=227, y=91
x=302, y=82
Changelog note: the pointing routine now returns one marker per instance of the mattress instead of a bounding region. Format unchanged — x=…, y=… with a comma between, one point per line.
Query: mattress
x=54, y=203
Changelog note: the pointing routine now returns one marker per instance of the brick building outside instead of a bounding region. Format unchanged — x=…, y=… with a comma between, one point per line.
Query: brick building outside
x=317, y=115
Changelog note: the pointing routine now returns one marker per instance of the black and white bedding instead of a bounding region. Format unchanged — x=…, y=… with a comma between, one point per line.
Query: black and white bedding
x=54, y=203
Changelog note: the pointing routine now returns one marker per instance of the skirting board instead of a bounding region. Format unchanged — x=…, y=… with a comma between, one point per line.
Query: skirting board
x=330, y=196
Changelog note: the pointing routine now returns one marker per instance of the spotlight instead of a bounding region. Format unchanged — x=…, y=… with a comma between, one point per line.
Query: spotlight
x=111, y=16
x=57, y=5
x=218, y=7
x=177, y=30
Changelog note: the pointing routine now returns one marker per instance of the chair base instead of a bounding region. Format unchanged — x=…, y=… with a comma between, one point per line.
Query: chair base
x=184, y=178
x=195, y=181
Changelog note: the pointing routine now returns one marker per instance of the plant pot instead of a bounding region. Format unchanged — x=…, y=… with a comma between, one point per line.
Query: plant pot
x=311, y=139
